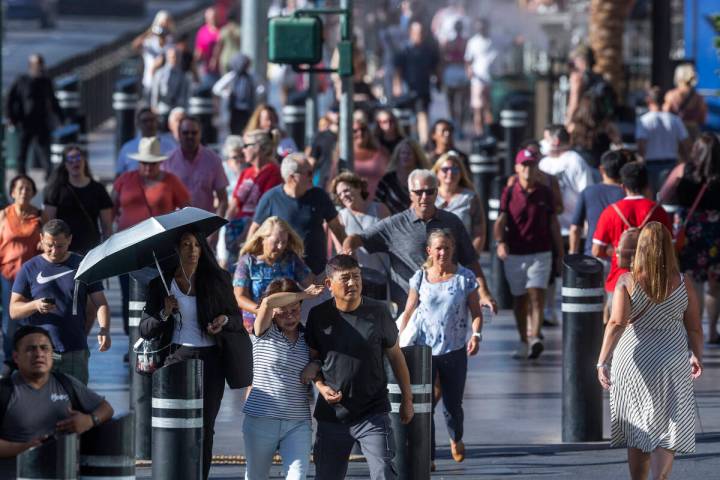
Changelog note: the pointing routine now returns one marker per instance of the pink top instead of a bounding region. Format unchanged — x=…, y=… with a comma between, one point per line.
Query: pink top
x=201, y=175
x=205, y=42
x=370, y=165
x=138, y=202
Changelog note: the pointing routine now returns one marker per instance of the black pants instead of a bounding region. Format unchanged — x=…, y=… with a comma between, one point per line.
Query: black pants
x=42, y=137
x=213, y=389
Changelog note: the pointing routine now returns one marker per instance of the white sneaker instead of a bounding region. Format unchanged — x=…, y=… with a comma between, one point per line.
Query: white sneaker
x=522, y=351
x=536, y=348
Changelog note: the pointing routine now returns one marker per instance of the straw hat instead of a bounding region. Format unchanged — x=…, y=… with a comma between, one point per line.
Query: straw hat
x=149, y=151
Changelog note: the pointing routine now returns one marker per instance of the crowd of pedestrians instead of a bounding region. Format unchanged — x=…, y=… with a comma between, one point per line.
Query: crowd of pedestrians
x=307, y=242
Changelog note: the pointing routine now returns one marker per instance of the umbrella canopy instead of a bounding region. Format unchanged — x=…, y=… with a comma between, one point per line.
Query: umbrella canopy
x=138, y=246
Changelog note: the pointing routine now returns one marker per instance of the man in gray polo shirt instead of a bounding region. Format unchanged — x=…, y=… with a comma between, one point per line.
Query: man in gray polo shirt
x=39, y=403
x=404, y=237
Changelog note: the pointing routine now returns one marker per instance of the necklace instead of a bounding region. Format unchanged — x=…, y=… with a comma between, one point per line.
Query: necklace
x=187, y=279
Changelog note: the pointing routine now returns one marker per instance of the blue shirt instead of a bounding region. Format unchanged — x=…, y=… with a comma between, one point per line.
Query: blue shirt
x=305, y=215
x=441, y=315
x=39, y=278
x=591, y=203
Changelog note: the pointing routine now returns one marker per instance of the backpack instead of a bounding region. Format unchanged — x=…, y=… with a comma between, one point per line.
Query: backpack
x=629, y=239
x=242, y=96
x=6, y=391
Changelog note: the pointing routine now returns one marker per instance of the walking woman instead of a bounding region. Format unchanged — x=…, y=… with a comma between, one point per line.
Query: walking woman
x=19, y=239
x=273, y=251
x=199, y=308
x=654, y=320
x=440, y=295
x=277, y=411
x=72, y=195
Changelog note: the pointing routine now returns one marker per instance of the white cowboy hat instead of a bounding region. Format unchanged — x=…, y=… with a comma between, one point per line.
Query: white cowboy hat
x=149, y=151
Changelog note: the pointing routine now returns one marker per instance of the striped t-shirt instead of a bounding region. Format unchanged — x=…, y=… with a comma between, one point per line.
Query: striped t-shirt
x=276, y=389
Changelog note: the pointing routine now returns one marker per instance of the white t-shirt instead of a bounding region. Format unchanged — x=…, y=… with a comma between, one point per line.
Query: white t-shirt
x=480, y=53
x=663, y=132
x=574, y=176
x=187, y=329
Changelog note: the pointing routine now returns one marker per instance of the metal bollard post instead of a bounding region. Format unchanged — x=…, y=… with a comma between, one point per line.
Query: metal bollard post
x=483, y=168
x=514, y=123
x=202, y=107
x=56, y=458
x=125, y=100
x=412, y=441
x=68, y=96
x=108, y=451
x=582, y=310
x=61, y=138
x=499, y=288
x=177, y=421
x=140, y=385
x=293, y=117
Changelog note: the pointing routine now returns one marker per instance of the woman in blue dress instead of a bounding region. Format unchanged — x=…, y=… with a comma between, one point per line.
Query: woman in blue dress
x=441, y=293
x=274, y=251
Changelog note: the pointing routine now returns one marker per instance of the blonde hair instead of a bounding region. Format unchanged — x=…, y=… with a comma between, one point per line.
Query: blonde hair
x=685, y=75
x=655, y=263
x=266, y=140
x=253, y=245
x=452, y=155
x=437, y=233
x=421, y=160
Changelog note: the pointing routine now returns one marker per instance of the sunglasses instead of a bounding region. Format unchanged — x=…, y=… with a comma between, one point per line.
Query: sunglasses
x=73, y=158
x=249, y=145
x=425, y=191
x=447, y=170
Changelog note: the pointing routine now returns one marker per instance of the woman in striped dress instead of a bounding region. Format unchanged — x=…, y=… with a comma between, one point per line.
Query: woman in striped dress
x=654, y=319
x=277, y=411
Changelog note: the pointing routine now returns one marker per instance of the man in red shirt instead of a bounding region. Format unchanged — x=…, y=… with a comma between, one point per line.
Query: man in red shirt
x=525, y=232
x=637, y=209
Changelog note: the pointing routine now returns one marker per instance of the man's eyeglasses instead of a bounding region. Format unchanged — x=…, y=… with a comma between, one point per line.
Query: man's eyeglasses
x=447, y=170
x=425, y=191
x=307, y=173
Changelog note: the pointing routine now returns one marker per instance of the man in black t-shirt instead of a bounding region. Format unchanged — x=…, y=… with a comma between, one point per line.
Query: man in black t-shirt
x=350, y=334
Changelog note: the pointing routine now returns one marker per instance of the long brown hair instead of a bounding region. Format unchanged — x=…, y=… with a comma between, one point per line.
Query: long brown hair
x=655, y=263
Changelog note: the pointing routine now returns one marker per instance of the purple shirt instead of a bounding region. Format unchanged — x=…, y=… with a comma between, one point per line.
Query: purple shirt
x=202, y=175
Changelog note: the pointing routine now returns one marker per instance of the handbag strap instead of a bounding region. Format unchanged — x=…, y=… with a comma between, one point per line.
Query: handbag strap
x=695, y=203
x=142, y=189
x=88, y=217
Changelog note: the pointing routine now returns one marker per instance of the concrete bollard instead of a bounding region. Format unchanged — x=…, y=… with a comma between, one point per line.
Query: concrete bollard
x=140, y=385
x=202, y=107
x=125, y=102
x=293, y=117
x=177, y=421
x=499, y=287
x=61, y=138
x=583, y=296
x=55, y=458
x=412, y=441
x=108, y=451
x=514, y=123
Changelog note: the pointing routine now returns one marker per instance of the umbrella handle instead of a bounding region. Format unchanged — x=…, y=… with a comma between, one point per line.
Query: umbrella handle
x=162, y=278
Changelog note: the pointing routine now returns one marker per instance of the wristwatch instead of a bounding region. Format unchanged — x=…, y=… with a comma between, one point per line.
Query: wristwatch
x=478, y=335
x=95, y=420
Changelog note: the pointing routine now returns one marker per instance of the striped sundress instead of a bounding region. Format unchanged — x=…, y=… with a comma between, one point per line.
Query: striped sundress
x=652, y=403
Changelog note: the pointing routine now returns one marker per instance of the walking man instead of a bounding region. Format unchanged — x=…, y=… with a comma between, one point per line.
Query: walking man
x=349, y=335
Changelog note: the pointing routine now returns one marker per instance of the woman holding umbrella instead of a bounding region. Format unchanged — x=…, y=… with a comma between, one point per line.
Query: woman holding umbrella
x=189, y=310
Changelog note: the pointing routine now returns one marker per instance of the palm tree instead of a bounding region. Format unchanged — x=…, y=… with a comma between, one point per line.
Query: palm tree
x=607, y=25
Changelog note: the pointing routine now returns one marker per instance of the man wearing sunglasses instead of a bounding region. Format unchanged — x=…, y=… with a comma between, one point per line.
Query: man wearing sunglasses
x=404, y=237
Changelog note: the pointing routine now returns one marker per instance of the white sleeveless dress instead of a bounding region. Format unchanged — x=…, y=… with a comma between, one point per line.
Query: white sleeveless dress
x=652, y=402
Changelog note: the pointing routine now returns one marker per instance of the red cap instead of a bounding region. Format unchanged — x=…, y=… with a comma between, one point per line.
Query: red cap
x=526, y=155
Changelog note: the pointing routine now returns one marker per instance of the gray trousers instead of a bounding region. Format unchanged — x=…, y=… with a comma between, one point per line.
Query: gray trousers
x=334, y=441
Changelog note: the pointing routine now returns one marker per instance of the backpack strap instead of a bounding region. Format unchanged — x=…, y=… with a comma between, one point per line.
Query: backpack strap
x=6, y=391
x=69, y=387
x=620, y=214
x=649, y=214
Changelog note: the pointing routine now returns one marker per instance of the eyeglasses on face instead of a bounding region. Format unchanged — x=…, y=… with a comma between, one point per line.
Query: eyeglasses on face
x=248, y=145
x=73, y=157
x=425, y=191
x=447, y=170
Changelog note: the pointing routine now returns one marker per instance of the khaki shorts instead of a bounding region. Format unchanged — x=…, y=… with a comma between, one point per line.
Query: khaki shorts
x=479, y=93
x=527, y=271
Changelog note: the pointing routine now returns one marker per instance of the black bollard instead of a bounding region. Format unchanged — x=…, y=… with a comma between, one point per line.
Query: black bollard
x=514, y=123
x=177, y=421
x=582, y=310
x=483, y=168
x=412, y=441
x=500, y=288
x=108, y=451
x=55, y=458
x=68, y=97
x=293, y=117
x=61, y=138
x=202, y=107
x=125, y=100
x=140, y=385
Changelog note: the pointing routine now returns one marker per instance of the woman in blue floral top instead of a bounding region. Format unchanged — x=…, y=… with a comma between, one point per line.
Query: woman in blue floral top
x=274, y=251
x=441, y=293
